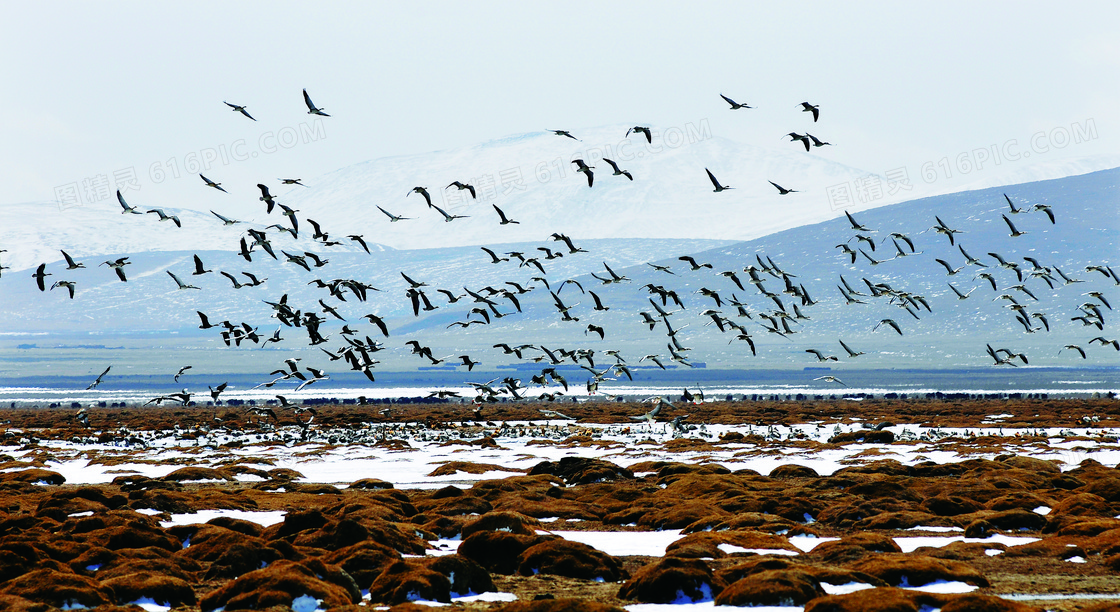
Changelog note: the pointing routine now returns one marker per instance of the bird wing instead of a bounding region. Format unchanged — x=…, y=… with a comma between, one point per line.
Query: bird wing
x=308, y=102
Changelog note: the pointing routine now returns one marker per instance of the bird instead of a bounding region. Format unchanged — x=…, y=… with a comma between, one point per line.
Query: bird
x=504, y=220
x=181, y=284
x=449, y=218
x=718, y=187
x=950, y=269
x=311, y=108
x=1015, y=233
x=781, y=190
x=641, y=130
x=291, y=181
x=802, y=138
x=118, y=266
x=126, y=207
x=463, y=186
x=239, y=108
x=225, y=220
x=94, y=384
x=821, y=356
x=584, y=168
x=1073, y=347
x=891, y=323
x=210, y=183
x=856, y=226
x=198, y=269
x=70, y=263
x=734, y=105
x=849, y=350
x=1014, y=209
x=180, y=372
x=831, y=379
x=598, y=303
x=68, y=284
x=961, y=296
x=692, y=262
x=564, y=133
x=618, y=172
x=591, y=327
x=1046, y=209
x=392, y=218
x=818, y=142
x=215, y=392
x=165, y=217
x=467, y=361
x=811, y=108
x=266, y=197
x=422, y=191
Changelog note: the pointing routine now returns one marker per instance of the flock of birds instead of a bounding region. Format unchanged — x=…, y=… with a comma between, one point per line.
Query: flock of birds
x=358, y=350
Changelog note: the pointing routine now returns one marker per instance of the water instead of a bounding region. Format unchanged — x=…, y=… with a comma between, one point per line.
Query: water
x=648, y=381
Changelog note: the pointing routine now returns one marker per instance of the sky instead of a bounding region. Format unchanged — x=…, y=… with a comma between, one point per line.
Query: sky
x=130, y=93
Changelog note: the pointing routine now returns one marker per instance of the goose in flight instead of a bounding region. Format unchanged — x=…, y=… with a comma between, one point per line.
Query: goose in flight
x=817, y=142
x=941, y=228
x=692, y=262
x=961, y=296
x=781, y=190
x=821, y=356
x=715, y=183
x=584, y=168
x=1073, y=347
x=811, y=108
x=238, y=108
x=969, y=259
x=659, y=268
x=463, y=186
x=1103, y=342
x=181, y=371
x=181, y=284
x=467, y=361
x=504, y=220
x=210, y=183
x=63, y=283
x=949, y=269
x=225, y=220
x=1014, y=209
x=641, y=130
x=198, y=268
x=1046, y=209
x=70, y=263
x=311, y=108
x=449, y=218
x=803, y=138
x=564, y=133
x=118, y=266
x=392, y=218
x=856, y=226
x=1015, y=233
x=831, y=379
x=266, y=197
x=851, y=353
x=215, y=392
x=165, y=217
x=291, y=181
x=734, y=105
x=422, y=191
x=617, y=171
x=891, y=323
x=93, y=385
x=127, y=209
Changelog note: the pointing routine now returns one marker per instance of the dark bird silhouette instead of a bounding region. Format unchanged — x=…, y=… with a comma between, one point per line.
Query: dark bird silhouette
x=68, y=284
x=617, y=171
x=210, y=183
x=1014, y=209
x=564, y=133
x=70, y=263
x=463, y=186
x=641, y=130
x=584, y=168
x=504, y=220
x=165, y=217
x=782, y=190
x=811, y=108
x=239, y=108
x=198, y=269
x=1015, y=233
x=734, y=105
x=266, y=197
x=126, y=207
x=311, y=108
x=715, y=183
x=422, y=191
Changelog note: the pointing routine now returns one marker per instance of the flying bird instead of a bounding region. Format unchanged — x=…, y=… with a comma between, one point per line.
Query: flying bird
x=198, y=269
x=392, y=218
x=449, y=218
x=165, y=217
x=94, y=384
x=239, y=108
x=70, y=263
x=463, y=186
x=126, y=207
x=618, y=172
x=210, y=183
x=811, y=108
x=641, y=130
x=1015, y=233
x=718, y=187
x=584, y=168
x=734, y=105
x=180, y=372
x=181, y=284
x=504, y=220
x=62, y=283
x=564, y=133
x=782, y=190
x=311, y=108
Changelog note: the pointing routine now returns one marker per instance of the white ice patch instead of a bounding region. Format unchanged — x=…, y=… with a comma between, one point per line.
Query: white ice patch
x=264, y=519
x=624, y=543
x=844, y=589
x=151, y=605
x=306, y=603
x=910, y=544
x=941, y=586
x=808, y=542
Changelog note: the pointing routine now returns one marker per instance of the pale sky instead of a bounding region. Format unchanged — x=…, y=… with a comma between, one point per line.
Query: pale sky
x=136, y=88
